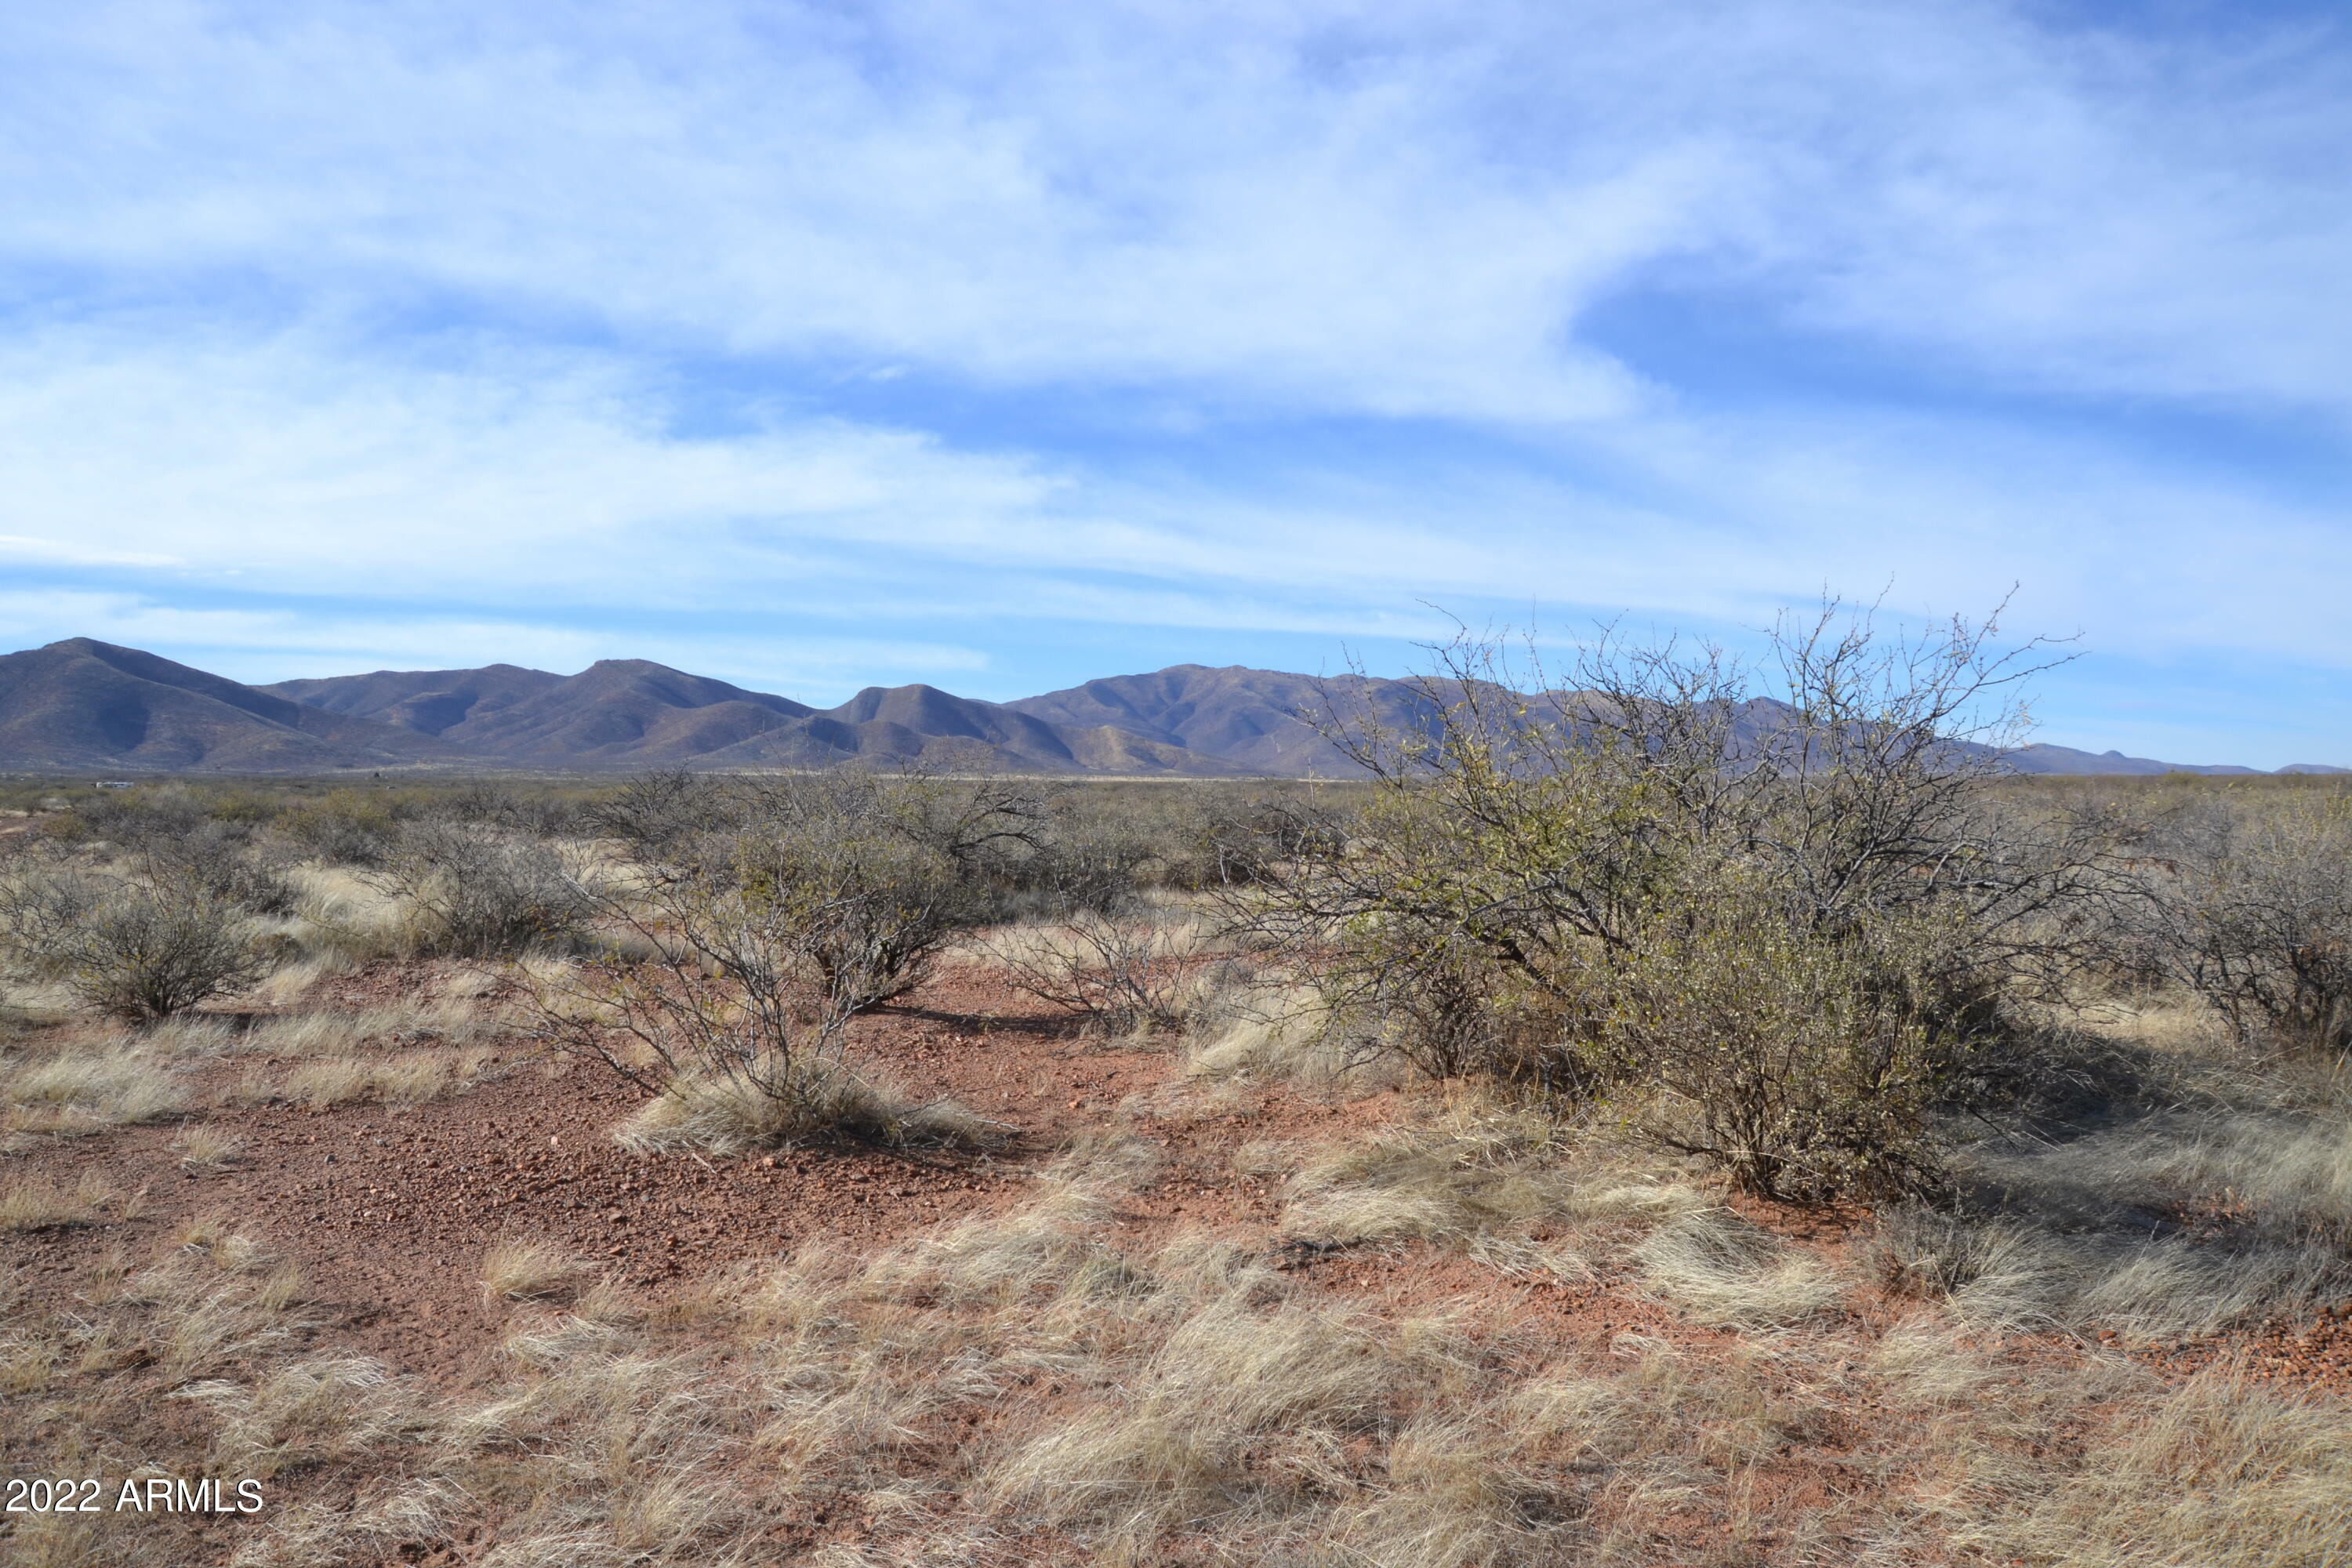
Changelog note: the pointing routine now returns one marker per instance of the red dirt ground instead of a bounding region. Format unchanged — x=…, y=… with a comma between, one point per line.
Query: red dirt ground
x=388, y=1213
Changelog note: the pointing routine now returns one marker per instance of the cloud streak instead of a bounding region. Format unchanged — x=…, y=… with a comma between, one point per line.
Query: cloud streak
x=915, y=332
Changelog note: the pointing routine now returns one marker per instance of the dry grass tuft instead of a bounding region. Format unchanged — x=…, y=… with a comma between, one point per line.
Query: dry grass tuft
x=38, y=1205
x=1278, y=1033
x=2221, y=1474
x=295, y=981
x=530, y=1271
x=329, y=1033
x=1485, y=1178
x=89, y=1090
x=1723, y=1270
x=189, y=1034
x=410, y=1078
x=208, y=1149
x=823, y=1100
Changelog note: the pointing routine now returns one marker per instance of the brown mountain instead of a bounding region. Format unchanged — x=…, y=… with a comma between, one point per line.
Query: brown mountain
x=429, y=701
x=1251, y=720
x=81, y=704
x=1258, y=721
x=617, y=710
x=922, y=723
x=632, y=714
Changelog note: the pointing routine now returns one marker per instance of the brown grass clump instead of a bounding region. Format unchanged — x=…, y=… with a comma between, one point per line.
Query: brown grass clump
x=87, y=1089
x=825, y=1100
x=37, y=1205
x=1485, y=1178
x=208, y=1149
x=410, y=1078
x=2219, y=1474
x=1723, y=1270
x=528, y=1271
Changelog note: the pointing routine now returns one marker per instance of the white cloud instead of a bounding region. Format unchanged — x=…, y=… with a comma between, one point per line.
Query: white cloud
x=58, y=553
x=294, y=464
x=406, y=307
x=1397, y=209
x=258, y=641
x=541, y=487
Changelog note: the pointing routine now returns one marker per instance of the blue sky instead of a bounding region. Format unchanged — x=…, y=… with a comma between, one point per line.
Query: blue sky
x=815, y=346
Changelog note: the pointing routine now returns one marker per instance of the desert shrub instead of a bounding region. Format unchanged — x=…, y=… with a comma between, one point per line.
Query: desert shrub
x=1126, y=969
x=139, y=817
x=735, y=1026
x=230, y=864
x=345, y=827
x=877, y=874
x=2252, y=911
x=656, y=813
x=138, y=946
x=1799, y=1066
x=1760, y=928
x=475, y=891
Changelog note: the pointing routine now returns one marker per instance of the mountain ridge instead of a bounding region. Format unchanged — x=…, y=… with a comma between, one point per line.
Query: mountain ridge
x=80, y=704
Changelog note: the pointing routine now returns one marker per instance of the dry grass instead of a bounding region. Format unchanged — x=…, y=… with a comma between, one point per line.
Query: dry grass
x=291, y=982
x=2228, y=1200
x=208, y=1149
x=1277, y=1032
x=330, y=1033
x=1722, y=1270
x=2221, y=1474
x=37, y=1205
x=188, y=1035
x=1034, y=1385
x=530, y=1271
x=408, y=1079
x=1496, y=1182
x=822, y=1100
x=340, y=911
x=1023, y=1387
x=87, y=1088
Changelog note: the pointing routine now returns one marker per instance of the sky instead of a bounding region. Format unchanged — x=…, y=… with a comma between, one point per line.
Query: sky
x=1001, y=346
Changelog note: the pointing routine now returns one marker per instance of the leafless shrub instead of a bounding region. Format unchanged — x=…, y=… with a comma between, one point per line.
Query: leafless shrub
x=139, y=945
x=888, y=870
x=478, y=892
x=2252, y=912
x=725, y=1028
x=345, y=827
x=1129, y=970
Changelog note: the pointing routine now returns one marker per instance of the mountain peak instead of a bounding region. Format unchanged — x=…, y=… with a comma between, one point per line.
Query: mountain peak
x=80, y=702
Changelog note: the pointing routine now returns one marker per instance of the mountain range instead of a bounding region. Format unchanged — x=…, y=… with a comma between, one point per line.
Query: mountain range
x=81, y=704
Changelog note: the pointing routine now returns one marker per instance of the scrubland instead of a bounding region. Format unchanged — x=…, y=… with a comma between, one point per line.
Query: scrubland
x=1547, y=1151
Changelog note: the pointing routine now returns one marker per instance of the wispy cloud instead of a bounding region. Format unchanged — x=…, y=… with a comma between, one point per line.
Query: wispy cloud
x=787, y=337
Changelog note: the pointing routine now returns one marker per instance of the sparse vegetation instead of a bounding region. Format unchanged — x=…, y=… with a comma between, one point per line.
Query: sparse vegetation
x=1599, y=1139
